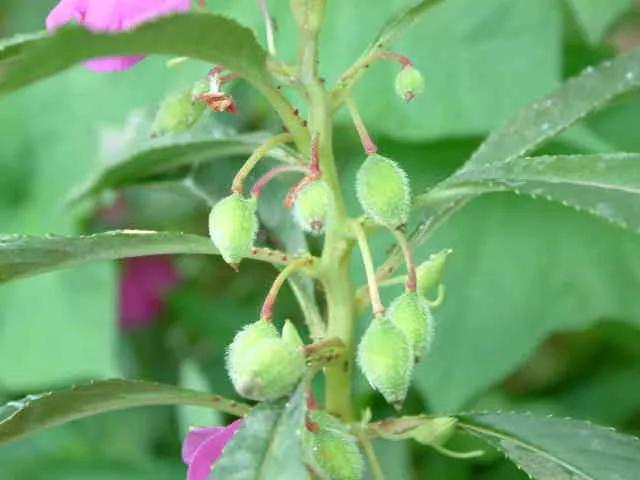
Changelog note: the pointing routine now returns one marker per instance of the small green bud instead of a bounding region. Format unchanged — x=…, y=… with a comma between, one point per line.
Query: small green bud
x=233, y=226
x=412, y=315
x=290, y=334
x=409, y=83
x=177, y=113
x=385, y=357
x=429, y=273
x=435, y=431
x=383, y=191
x=269, y=371
x=312, y=206
x=333, y=449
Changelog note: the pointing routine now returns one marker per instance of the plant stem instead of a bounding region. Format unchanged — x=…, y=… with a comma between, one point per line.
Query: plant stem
x=267, y=308
x=374, y=463
x=238, y=182
x=264, y=180
x=367, y=260
x=403, y=243
x=367, y=143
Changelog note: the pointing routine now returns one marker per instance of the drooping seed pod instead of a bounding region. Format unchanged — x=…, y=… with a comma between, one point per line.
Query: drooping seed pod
x=177, y=113
x=247, y=339
x=334, y=451
x=290, y=334
x=385, y=357
x=383, y=191
x=311, y=207
x=412, y=315
x=270, y=371
x=233, y=225
x=409, y=83
x=429, y=272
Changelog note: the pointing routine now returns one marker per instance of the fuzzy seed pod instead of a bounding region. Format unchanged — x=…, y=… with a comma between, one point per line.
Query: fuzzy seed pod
x=177, y=113
x=247, y=339
x=233, y=226
x=412, y=315
x=290, y=334
x=333, y=449
x=267, y=372
x=383, y=191
x=312, y=206
x=409, y=83
x=385, y=357
x=429, y=272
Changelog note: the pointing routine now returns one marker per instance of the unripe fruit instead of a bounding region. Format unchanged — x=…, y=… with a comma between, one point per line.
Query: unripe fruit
x=385, y=357
x=177, y=113
x=383, y=191
x=409, y=83
x=334, y=450
x=312, y=206
x=269, y=371
x=411, y=314
x=429, y=272
x=247, y=339
x=233, y=226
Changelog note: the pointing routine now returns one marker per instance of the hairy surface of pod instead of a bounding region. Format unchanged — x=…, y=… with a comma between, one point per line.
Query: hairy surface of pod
x=311, y=207
x=233, y=226
x=177, y=113
x=269, y=371
x=412, y=315
x=334, y=450
x=409, y=83
x=383, y=191
x=429, y=272
x=385, y=357
x=247, y=339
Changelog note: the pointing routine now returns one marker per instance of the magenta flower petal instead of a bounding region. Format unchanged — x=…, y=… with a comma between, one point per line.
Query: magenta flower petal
x=195, y=438
x=209, y=451
x=111, y=16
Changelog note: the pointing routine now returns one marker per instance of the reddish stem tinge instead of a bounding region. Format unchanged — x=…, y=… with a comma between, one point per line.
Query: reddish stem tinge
x=271, y=174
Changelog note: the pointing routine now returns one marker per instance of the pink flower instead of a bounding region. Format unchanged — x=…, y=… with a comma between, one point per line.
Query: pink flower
x=111, y=16
x=144, y=284
x=203, y=446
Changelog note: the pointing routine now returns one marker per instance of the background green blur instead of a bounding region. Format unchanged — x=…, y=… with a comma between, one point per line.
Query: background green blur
x=543, y=303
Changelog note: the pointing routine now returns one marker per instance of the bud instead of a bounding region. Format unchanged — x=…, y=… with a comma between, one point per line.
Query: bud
x=312, y=206
x=290, y=334
x=383, y=191
x=233, y=226
x=411, y=314
x=409, y=83
x=177, y=113
x=429, y=273
x=435, y=431
x=270, y=370
x=333, y=449
x=385, y=357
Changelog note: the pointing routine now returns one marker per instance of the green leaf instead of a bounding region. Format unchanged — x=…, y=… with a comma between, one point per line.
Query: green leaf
x=36, y=412
x=552, y=448
x=11, y=47
x=595, y=17
x=606, y=185
x=22, y=256
x=550, y=115
x=268, y=445
x=167, y=155
x=204, y=36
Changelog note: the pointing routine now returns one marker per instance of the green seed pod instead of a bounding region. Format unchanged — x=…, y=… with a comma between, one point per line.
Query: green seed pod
x=270, y=371
x=412, y=315
x=334, y=451
x=385, y=357
x=311, y=207
x=429, y=272
x=383, y=191
x=177, y=113
x=233, y=226
x=436, y=431
x=290, y=334
x=247, y=339
x=409, y=83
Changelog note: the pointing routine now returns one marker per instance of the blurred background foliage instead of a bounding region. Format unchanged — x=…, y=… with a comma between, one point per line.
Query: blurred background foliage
x=542, y=311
